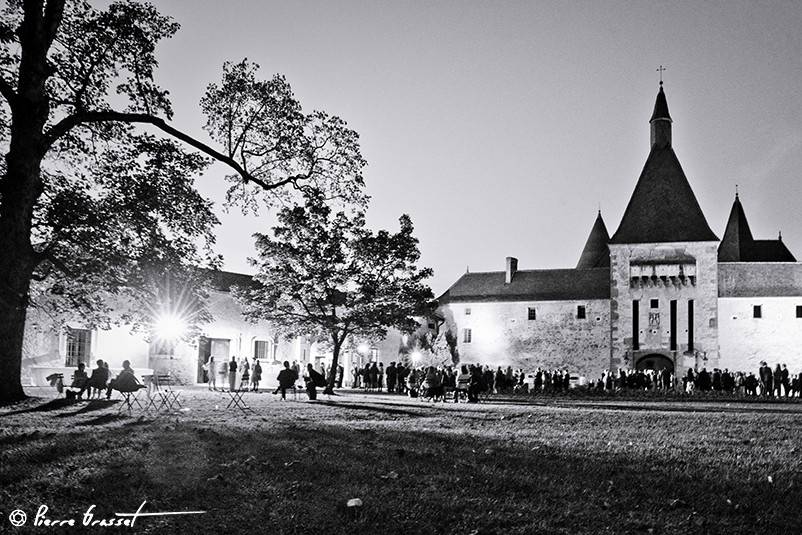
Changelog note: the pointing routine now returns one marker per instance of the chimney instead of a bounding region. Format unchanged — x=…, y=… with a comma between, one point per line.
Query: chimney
x=512, y=267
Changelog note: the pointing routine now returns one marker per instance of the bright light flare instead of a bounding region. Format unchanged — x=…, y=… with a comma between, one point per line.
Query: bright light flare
x=170, y=327
x=416, y=356
x=363, y=348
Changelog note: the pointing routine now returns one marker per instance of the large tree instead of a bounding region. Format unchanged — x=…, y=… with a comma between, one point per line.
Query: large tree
x=326, y=274
x=97, y=186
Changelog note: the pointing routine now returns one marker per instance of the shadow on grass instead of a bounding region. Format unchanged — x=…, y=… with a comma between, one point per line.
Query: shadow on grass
x=93, y=405
x=375, y=407
x=103, y=419
x=410, y=482
x=665, y=407
x=52, y=405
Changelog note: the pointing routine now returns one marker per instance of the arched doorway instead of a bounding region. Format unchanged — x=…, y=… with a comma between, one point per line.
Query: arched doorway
x=656, y=362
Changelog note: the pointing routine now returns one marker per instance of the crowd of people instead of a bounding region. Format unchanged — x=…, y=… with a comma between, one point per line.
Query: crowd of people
x=778, y=382
x=100, y=381
x=474, y=380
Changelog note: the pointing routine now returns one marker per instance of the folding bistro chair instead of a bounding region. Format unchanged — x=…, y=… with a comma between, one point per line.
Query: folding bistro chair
x=237, y=402
x=129, y=400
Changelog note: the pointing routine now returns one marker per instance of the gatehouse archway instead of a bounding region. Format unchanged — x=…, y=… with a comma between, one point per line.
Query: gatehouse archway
x=656, y=362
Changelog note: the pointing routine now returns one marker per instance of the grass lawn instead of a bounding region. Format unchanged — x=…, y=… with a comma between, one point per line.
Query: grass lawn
x=556, y=466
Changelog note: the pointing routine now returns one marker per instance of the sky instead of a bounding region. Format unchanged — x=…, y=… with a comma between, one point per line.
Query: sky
x=502, y=127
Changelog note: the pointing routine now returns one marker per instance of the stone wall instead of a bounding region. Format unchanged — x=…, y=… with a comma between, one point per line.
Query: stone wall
x=776, y=337
x=699, y=258
x=502, y=334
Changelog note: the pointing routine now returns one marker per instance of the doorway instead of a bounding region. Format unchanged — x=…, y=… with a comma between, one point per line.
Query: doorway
x=212, y=347
x=655, y=362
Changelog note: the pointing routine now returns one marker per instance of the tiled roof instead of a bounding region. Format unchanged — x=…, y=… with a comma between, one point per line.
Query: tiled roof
x=596, y=252
x=759, y=279
x=224, y=280
x=531, y=285
x=738, y=245
x=663, y=207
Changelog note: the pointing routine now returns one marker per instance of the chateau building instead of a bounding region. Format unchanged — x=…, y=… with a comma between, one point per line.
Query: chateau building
x=662, y=292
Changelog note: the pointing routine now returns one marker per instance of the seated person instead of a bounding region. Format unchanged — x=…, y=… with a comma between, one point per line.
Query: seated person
x=126, y=381
x=98, y=380
x=313, y=380
x=286, y=379
x=79, y=380
x=432, y=384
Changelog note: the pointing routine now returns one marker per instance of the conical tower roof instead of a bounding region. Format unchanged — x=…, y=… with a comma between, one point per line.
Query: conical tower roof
x=737, y=236
x=738, y=244
x=663, y=207
x=596, y=252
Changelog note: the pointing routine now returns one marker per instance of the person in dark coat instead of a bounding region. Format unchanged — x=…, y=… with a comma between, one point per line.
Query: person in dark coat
x=786, y=380
x=766, y=382
x=286, y=379
x=313, y=380
x=391, y=376
x=98, y=380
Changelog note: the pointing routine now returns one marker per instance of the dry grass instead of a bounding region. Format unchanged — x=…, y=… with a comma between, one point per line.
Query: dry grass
x=560, y=466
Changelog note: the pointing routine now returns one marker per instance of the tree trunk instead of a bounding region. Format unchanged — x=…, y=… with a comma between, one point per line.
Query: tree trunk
x=21, y=187
x=332, y=379
x=13, y=307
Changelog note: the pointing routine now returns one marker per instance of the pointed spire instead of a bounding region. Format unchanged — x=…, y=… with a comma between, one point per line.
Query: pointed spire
x=596, y=253
x=737, y=236
x=661, y=121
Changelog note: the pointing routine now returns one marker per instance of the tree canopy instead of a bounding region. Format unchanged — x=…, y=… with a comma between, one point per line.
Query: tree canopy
x=325, y=273
x=97, y=192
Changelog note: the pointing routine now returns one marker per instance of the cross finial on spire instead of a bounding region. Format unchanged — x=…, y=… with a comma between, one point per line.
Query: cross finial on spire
x=660, y=69
x=736, y=191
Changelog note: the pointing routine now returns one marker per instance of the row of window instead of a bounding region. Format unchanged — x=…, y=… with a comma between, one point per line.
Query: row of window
x=531, y=313
x=757, y=311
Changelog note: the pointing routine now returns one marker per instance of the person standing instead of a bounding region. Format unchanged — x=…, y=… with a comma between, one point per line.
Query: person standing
x=785, y=380
x=246, y=374
x=232, y=373
x=256, y=376
x=778, y=380
x=211, y=373
x=390, y=371
x=340, y=373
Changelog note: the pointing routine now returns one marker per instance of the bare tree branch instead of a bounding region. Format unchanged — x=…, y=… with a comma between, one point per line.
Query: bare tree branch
x=68, y=123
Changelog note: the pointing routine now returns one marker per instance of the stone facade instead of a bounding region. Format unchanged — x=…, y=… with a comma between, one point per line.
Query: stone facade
x=656, y=275
x=508, y=334
x=695, y=294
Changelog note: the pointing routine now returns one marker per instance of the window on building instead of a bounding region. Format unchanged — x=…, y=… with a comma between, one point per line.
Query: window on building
x=78, y=346
x=531, y=313
x=466, y=336
x=654, y=303
x=690, y=324
x=580, y=312
x=799, y=311
x=757, y=311
x=261, y=349
x=467, y=311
